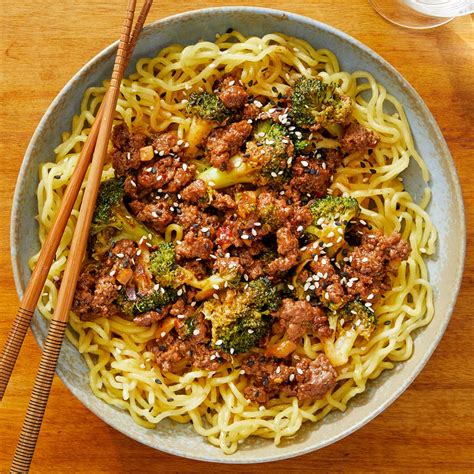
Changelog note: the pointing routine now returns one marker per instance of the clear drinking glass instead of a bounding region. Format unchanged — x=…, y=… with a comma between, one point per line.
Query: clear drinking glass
x=421, y=14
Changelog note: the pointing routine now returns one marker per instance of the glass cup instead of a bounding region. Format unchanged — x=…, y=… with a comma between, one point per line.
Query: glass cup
x=422, y=14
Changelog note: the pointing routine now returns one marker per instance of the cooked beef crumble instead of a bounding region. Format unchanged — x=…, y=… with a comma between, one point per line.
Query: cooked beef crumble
x=251, y=228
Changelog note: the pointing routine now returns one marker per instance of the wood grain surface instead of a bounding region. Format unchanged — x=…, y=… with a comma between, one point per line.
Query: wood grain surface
x=428, y=429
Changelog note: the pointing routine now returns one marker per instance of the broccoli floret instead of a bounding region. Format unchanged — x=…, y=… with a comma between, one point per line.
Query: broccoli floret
x=316, y=104
x=168, y=274
x=112, y=221
x=241, y=317
x=207, y=111
x=142, y=303
x=265, y=162
x=331, y=215
x=245, y=333
x=208, y=106
x=163, y=265
x=350, y=322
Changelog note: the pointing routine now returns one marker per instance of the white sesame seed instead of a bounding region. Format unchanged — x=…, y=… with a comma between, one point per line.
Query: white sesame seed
x=250, y=331
x=261, y=408
x=215, y=296
x=300, y=228
x=219, y=342
x=292, y=377
x=304, y=163
x=244, y=236
x=112, y=273
x=365, y=259
x=181, y=316
x=216, y=287
x=196, y=332
x=163, y=334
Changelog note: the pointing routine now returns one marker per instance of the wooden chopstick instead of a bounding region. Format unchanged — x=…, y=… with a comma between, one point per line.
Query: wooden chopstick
x=42, y=386
x=35, y=285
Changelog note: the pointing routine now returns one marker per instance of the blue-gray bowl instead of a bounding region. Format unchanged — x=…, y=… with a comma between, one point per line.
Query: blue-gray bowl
x=445, y=209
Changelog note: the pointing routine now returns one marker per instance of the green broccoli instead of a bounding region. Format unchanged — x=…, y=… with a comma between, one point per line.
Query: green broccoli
x=208, y=106
x=353, y=320
x=316, y=104
x=168, y=274
x=267, y=160
x=331, y=215
x=112, y=221
x=241, y=317
x=142, y=303
x=207, y=111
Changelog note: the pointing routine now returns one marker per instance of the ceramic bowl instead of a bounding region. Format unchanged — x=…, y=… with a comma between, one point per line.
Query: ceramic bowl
x=445, y=268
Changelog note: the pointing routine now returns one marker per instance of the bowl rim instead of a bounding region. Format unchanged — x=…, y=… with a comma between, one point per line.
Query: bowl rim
x=409, y=90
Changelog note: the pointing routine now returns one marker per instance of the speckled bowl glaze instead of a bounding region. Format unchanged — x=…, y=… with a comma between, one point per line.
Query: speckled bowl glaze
x=446, y=210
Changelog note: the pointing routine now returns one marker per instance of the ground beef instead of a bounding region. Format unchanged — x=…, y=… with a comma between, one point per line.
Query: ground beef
x=252, y=266
x=319, y=377
x=126, y=149
x=299, y=317
x=358, y=138
x=278, y=267
x=156, y=215
x=197, y=268
x=373, y=261
x=96, y=288
x=304, y=378
x=311, y=175
x=225, y=142
x=193, y=246
x=275, y=212
x=250, y=112
x=287, y=243
x=130, y=187
x=329, y=281
x=191, y=217
x=166, y=143
x=232, y=93
x=195, y=192
x=192, y=349
x=147, y=319
x=222, y=202
x=167, y=174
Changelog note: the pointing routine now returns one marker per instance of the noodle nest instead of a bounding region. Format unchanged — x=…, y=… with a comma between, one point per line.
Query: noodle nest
x=122, y=372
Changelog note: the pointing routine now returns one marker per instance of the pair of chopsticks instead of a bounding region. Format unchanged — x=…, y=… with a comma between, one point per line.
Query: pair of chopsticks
x=96, y=148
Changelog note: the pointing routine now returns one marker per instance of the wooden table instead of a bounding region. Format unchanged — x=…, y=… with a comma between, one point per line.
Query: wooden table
x=429, y=428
